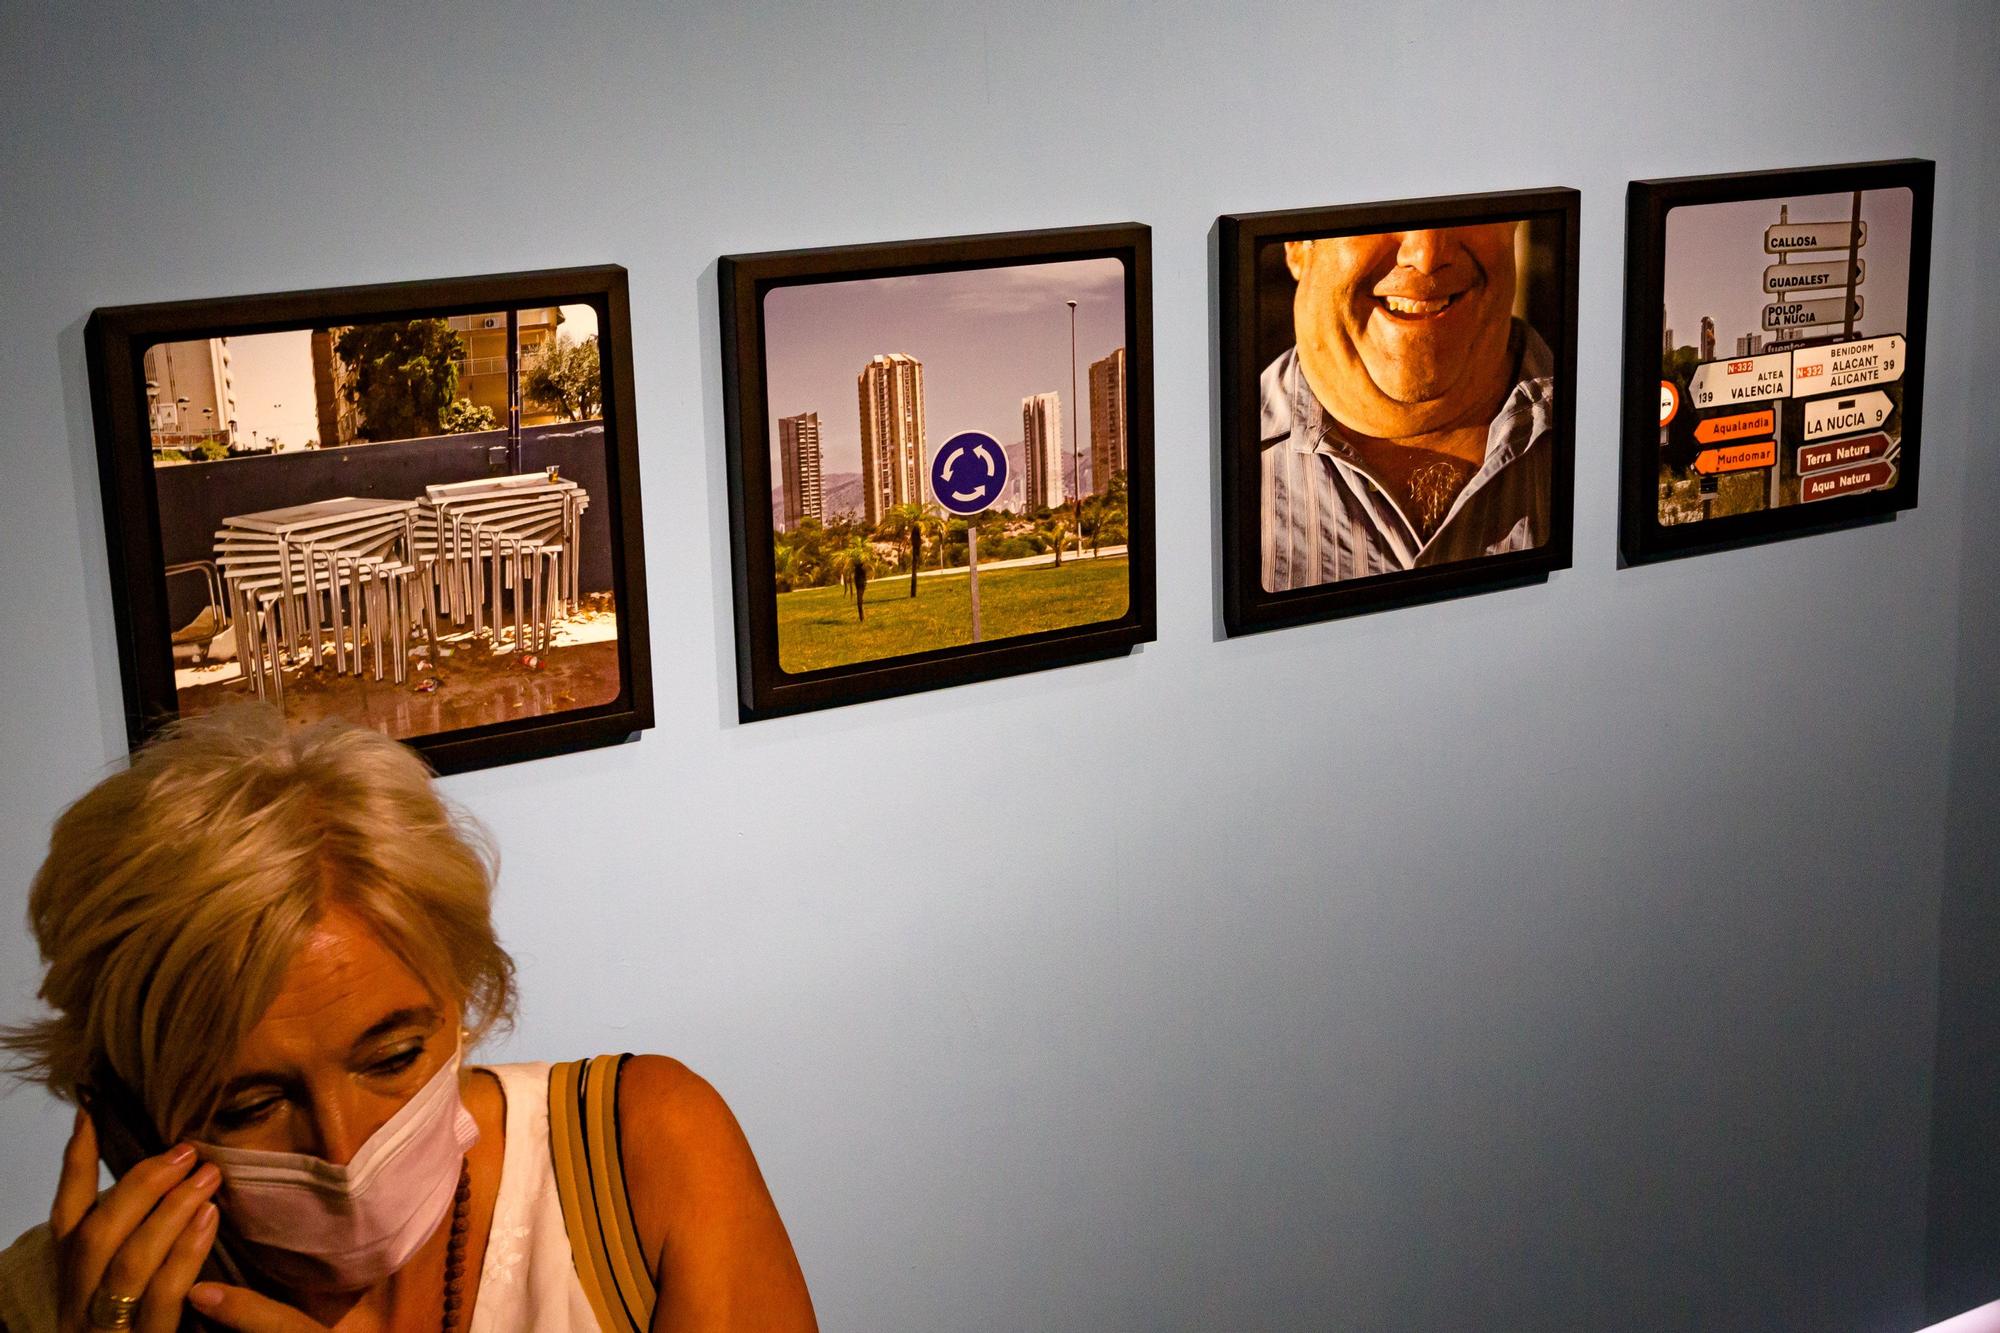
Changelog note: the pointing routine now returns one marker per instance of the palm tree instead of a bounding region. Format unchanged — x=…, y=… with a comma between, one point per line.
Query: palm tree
x=1060, y=529
x=855, y=562
x=938, y=528
x=909, y=519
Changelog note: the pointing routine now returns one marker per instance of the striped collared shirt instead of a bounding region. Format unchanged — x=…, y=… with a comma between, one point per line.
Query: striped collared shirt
x=1326, y=517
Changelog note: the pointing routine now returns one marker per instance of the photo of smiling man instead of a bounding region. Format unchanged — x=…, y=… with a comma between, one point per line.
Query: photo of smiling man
x=1395, y=403
x=1406, y=425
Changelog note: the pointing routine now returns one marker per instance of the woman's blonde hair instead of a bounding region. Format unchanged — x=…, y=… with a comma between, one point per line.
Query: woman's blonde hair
x=177, y=892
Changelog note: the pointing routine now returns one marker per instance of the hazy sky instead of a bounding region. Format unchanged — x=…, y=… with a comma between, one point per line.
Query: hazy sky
x=274, y=387
x=274, y=381
x=1716, y=261
x=987, y=337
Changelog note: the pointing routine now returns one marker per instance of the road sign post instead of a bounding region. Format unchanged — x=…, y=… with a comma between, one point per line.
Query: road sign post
x=967, y=475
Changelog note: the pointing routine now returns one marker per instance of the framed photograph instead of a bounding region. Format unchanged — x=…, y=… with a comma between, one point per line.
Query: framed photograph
x=414, y=505
x=1397, y=402
x=940, y=461
x=1774, y=352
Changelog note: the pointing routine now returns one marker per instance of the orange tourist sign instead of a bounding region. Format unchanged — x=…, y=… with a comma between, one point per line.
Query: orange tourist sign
x=1737, y=457
x=1742, y=426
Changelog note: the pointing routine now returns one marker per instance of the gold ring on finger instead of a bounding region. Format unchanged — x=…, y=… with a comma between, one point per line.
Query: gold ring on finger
x=110, y=1310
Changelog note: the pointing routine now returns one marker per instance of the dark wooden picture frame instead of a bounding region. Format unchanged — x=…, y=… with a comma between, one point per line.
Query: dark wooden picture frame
x=126, y=412
x=1254, y=294
x=765, y=689
x=1649, y=446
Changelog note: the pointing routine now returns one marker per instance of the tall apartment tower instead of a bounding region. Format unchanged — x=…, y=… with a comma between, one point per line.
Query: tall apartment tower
x=339, y=418
x=1707, y=338
x=1042, y=450
x=894, y=456
x=1107, y=420
x=199, y=373
x=798, y=467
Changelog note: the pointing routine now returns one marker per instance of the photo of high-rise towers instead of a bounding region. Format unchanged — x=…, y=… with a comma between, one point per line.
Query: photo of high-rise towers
x=866, y=379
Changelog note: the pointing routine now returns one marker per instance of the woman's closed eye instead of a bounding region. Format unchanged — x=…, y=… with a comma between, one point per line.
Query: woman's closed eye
x=399, y=1062
x=257, y=1105
x=246, y=1113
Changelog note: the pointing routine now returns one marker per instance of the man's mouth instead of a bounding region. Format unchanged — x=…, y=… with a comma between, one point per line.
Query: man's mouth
x=1415, y=307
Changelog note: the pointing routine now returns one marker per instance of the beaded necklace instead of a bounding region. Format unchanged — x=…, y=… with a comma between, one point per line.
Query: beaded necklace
x=454, y=1253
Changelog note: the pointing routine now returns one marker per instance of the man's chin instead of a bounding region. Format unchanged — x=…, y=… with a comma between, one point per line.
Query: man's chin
x=1387, y=416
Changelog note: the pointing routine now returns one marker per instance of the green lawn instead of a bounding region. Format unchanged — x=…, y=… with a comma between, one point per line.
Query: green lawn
x=817, y=626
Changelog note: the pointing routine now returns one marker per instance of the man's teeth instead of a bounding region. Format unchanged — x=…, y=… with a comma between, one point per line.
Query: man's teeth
x=1404, y=305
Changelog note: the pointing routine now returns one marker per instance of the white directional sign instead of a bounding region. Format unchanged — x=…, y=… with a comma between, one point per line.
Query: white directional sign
x=1781, y=279
x=1747, y=379
x=1849, y=365
x=1839, y=416
x=1810, y=314
x=1782, y=238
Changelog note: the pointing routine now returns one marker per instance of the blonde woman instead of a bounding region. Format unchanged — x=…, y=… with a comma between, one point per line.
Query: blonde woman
x=268, y=953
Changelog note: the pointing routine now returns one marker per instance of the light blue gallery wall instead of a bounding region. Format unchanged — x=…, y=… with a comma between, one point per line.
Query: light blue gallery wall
x=1560, y=958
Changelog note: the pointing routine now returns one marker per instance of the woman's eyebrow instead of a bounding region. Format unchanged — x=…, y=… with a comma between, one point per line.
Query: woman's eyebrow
x=423, y=1016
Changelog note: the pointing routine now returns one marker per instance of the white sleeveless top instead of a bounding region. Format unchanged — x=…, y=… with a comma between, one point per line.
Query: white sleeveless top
x=527, y=1283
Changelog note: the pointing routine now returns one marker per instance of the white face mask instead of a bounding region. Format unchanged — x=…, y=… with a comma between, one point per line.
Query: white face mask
x=314, y=1226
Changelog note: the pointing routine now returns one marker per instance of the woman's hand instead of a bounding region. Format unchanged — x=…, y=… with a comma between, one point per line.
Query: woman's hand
x=143, y=1238
x=241, y=1308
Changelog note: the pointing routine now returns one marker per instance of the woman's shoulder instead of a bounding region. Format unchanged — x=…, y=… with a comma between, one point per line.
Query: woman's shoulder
x=28, y=1283
x=703, y=1212
x=675, y=1131
x=669, y=1095
x=682, y=1146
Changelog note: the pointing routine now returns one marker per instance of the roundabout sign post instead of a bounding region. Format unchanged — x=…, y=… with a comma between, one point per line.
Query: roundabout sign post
x=967, y=475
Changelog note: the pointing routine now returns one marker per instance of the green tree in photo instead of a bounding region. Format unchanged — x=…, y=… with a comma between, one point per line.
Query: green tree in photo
x=1056, y=531
x=565, y=379
x=802, y=557
x=462, y=415
x=908, y=521
x=856, y=561
x=1108, y=514
x=404, y=375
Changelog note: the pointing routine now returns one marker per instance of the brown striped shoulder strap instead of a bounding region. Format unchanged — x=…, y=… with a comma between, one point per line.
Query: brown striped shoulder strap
x=590, y=1180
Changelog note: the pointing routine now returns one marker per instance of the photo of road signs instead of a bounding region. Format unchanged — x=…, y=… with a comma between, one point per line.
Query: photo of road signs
x=1789, y=309
x=1729, y=279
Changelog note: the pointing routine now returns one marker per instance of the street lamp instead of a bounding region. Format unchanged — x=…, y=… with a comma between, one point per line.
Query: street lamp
x=180, y=418
x=1075, y=457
